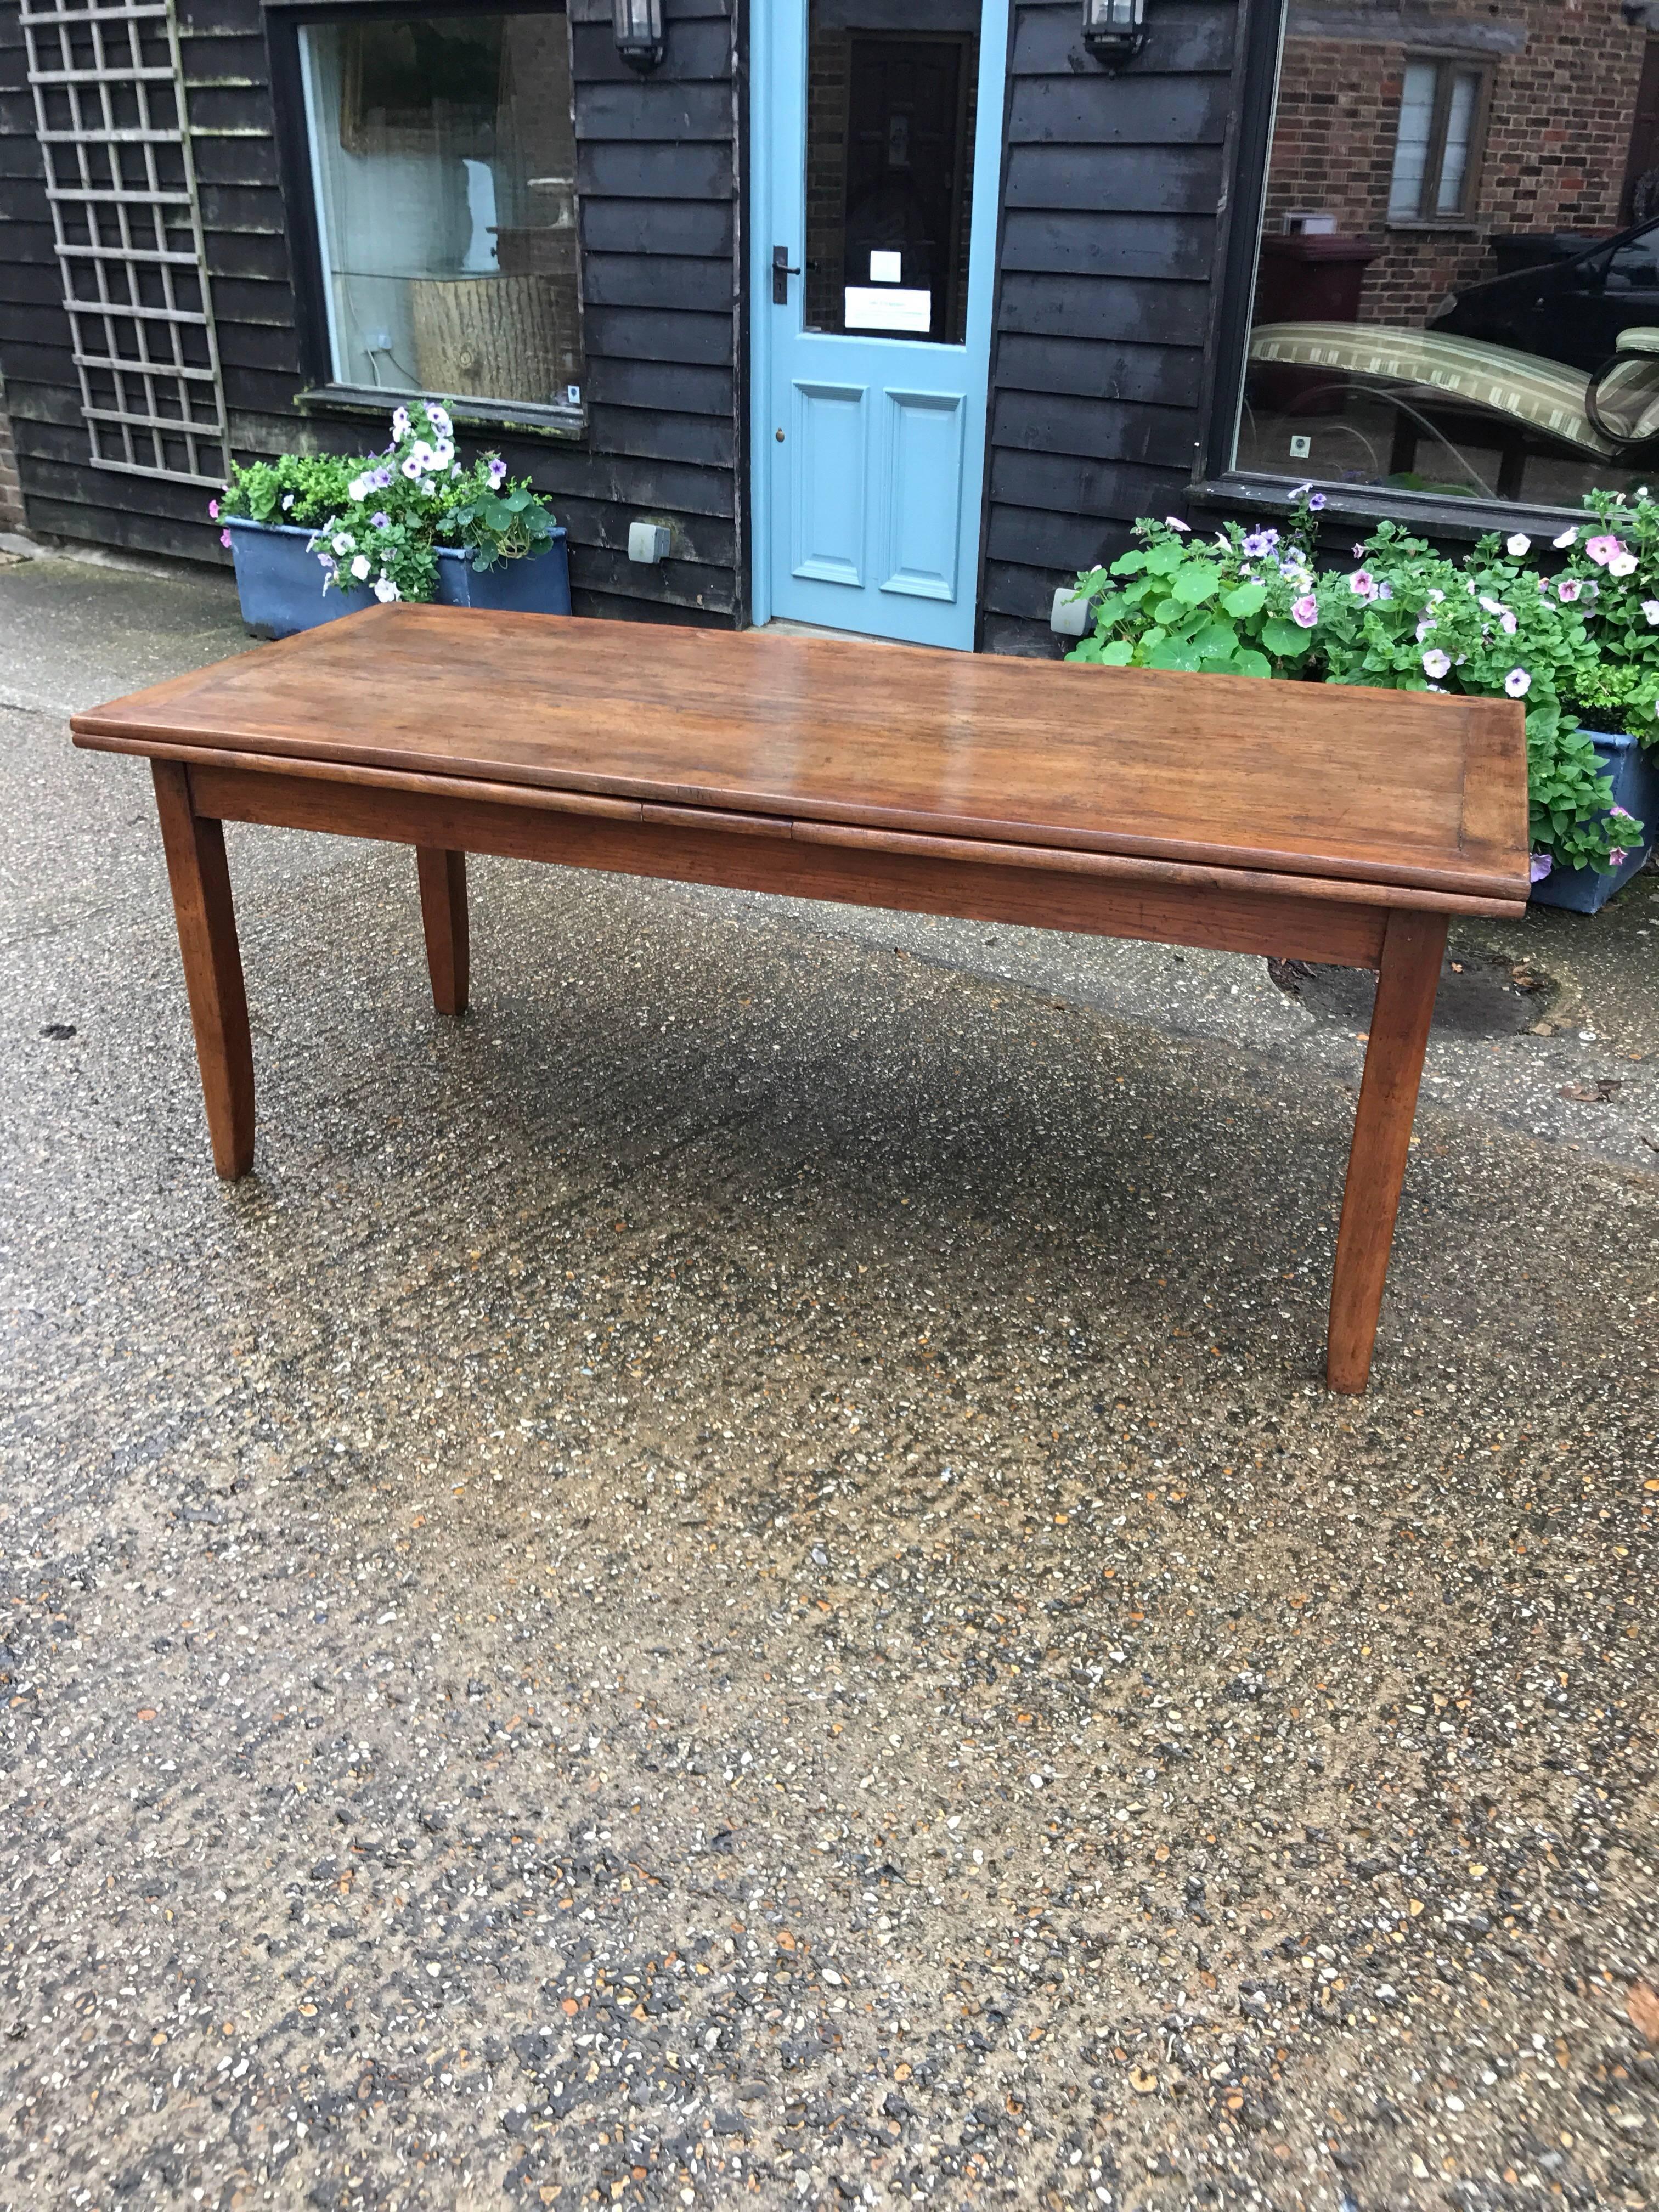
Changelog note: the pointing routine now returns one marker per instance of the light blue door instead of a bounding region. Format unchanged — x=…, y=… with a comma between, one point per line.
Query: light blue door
x=878, y=136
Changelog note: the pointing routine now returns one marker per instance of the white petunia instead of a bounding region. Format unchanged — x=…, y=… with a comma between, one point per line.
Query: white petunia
x=1518, y=544
x=360, y=567
x=384, y=589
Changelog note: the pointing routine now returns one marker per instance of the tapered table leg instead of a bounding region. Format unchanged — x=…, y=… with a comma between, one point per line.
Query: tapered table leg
x=443, y=917
x=195, y=848
x=1414, y=946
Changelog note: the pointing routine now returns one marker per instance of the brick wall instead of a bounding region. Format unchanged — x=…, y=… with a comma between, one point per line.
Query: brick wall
x=11, y=495
x=1564, y=80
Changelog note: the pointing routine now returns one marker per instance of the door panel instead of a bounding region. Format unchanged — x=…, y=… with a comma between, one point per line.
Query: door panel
x=874, y=229
x=923, y=505
x=827, y=483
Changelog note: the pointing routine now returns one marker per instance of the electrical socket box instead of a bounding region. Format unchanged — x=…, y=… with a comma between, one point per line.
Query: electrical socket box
x=648, y=542
x=1300, y=448
x=1069, y=615
x=377, y=341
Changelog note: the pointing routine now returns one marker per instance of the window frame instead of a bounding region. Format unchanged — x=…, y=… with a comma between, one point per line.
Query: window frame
x=319, y=392
x=1218, y=485
x=1448, y=63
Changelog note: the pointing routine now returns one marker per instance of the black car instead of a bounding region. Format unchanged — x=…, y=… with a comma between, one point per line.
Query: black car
x=1571, y=304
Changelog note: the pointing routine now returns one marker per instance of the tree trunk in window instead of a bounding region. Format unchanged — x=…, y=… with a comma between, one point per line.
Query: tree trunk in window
x=496, y=338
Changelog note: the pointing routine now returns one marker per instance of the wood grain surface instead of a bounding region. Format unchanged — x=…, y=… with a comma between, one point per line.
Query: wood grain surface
x=1373, y=786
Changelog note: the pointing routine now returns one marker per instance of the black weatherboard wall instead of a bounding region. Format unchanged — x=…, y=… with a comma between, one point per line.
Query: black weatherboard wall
x=1112, y=191
x=656, y=175
x=1107, y=282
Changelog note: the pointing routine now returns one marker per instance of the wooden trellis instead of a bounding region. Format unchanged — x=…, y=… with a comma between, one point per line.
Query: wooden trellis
x=109, y=101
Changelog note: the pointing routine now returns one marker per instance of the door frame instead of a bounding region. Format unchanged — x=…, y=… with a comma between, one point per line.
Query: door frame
x=990, y=163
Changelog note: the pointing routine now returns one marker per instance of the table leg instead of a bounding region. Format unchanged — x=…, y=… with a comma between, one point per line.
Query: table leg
x=443, y=917
x=195, y=848
x=1414, y=946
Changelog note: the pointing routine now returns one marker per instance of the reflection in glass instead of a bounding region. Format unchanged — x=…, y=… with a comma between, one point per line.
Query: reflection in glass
x=889, y=165
x=443, y=162
x=1444, y=300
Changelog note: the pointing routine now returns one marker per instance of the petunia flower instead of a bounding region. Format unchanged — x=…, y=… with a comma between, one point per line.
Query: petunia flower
x=360, y=567
x=1175, y=522
x=1436, y=664
x=345, y=542
x=381, y=521
x=1305, y=611
x=1259, y=544
x=1316, y=502
x=1517, y=683
x=1601, y=549
x=384, y=589
x=1385, y=589
x=1650, y=609
x=288, y=501
x=1426, y=627
x=1363, y=584
x=213, y=509
x=1569, y=589
x=1569, y=536
x=1518, y=545
x=1620, y=814
x=439, y=418
x=224, y=537
x=1622, y=564
x=358, y=488
x=410, y=468
x=1540, y=867
x=1617, y=856
x=401, y=425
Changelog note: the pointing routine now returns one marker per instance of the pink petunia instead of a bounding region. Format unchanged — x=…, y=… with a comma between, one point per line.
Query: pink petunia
x=1305, y=611
x=213, y=509
x=1363, y=584
x=1601, y=549
x=224, y=537
x=1617, y=857
x=1569, y=589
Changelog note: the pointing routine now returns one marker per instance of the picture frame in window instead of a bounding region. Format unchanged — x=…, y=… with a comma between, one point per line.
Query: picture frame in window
x=1455, y=151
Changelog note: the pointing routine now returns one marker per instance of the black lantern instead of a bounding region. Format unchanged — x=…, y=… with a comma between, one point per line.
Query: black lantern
x=638, y=25
x=1113, y=31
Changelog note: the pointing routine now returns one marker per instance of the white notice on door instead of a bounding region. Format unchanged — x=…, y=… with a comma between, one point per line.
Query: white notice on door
x=886, y=267
x=883, y=307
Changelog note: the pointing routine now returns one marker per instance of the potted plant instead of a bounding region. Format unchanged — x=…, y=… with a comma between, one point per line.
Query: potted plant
x=314, y=536
x=1251, y=602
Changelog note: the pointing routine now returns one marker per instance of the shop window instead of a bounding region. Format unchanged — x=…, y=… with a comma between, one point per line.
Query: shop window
x=442, y=162
x=1445, y=303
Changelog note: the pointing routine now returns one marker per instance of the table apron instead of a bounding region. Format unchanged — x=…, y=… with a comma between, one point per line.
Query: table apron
x=1220, y=919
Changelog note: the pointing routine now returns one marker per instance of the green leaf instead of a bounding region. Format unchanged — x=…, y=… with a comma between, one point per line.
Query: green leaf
x=1175, y=652
x=1285, y=639
x=1118, y=655
x=1129, y=564
x=1246, y=600
x=1198, y=581
x=1249, y=662
x=1165, y=560
x=1217, y=640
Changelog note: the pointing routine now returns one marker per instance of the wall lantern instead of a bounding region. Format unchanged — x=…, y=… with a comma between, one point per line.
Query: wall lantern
x=638, y=25
x=1113, y=31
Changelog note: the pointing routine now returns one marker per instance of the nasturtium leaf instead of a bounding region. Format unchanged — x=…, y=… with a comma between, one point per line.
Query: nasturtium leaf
x=1248, y=662
x=1175, y=652
x=1165, y=560
x=1285, y=638
x=1216, y=640
x=1117, y=654
x=1196, y=583
x=1245, y=601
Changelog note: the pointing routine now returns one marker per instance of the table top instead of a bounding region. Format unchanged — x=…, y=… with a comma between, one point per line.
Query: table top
x=1390, y=787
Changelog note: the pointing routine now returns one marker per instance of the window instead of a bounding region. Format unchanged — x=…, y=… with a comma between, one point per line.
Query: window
x=442, y=165
x=1436, y=153
x=1446, y=305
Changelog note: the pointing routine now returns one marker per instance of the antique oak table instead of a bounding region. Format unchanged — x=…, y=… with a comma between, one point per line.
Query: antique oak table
x=1311, y=822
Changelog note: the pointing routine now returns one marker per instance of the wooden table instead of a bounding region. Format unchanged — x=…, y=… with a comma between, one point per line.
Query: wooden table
x=1306, y=821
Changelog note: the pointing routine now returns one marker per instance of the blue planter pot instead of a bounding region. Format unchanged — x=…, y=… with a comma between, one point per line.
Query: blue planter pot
x=280, y=583
x=1635, y=774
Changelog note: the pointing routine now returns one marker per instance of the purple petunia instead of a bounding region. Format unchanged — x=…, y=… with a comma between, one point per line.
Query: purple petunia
x=496, y=471
x=1362, y=583
x=1259, y=544
x=1541, y=866
x=1305, y=611
x=1316, y=504
x=1568, y=590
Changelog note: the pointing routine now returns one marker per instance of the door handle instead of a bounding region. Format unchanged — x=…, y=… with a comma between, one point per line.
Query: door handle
x=781, y=272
